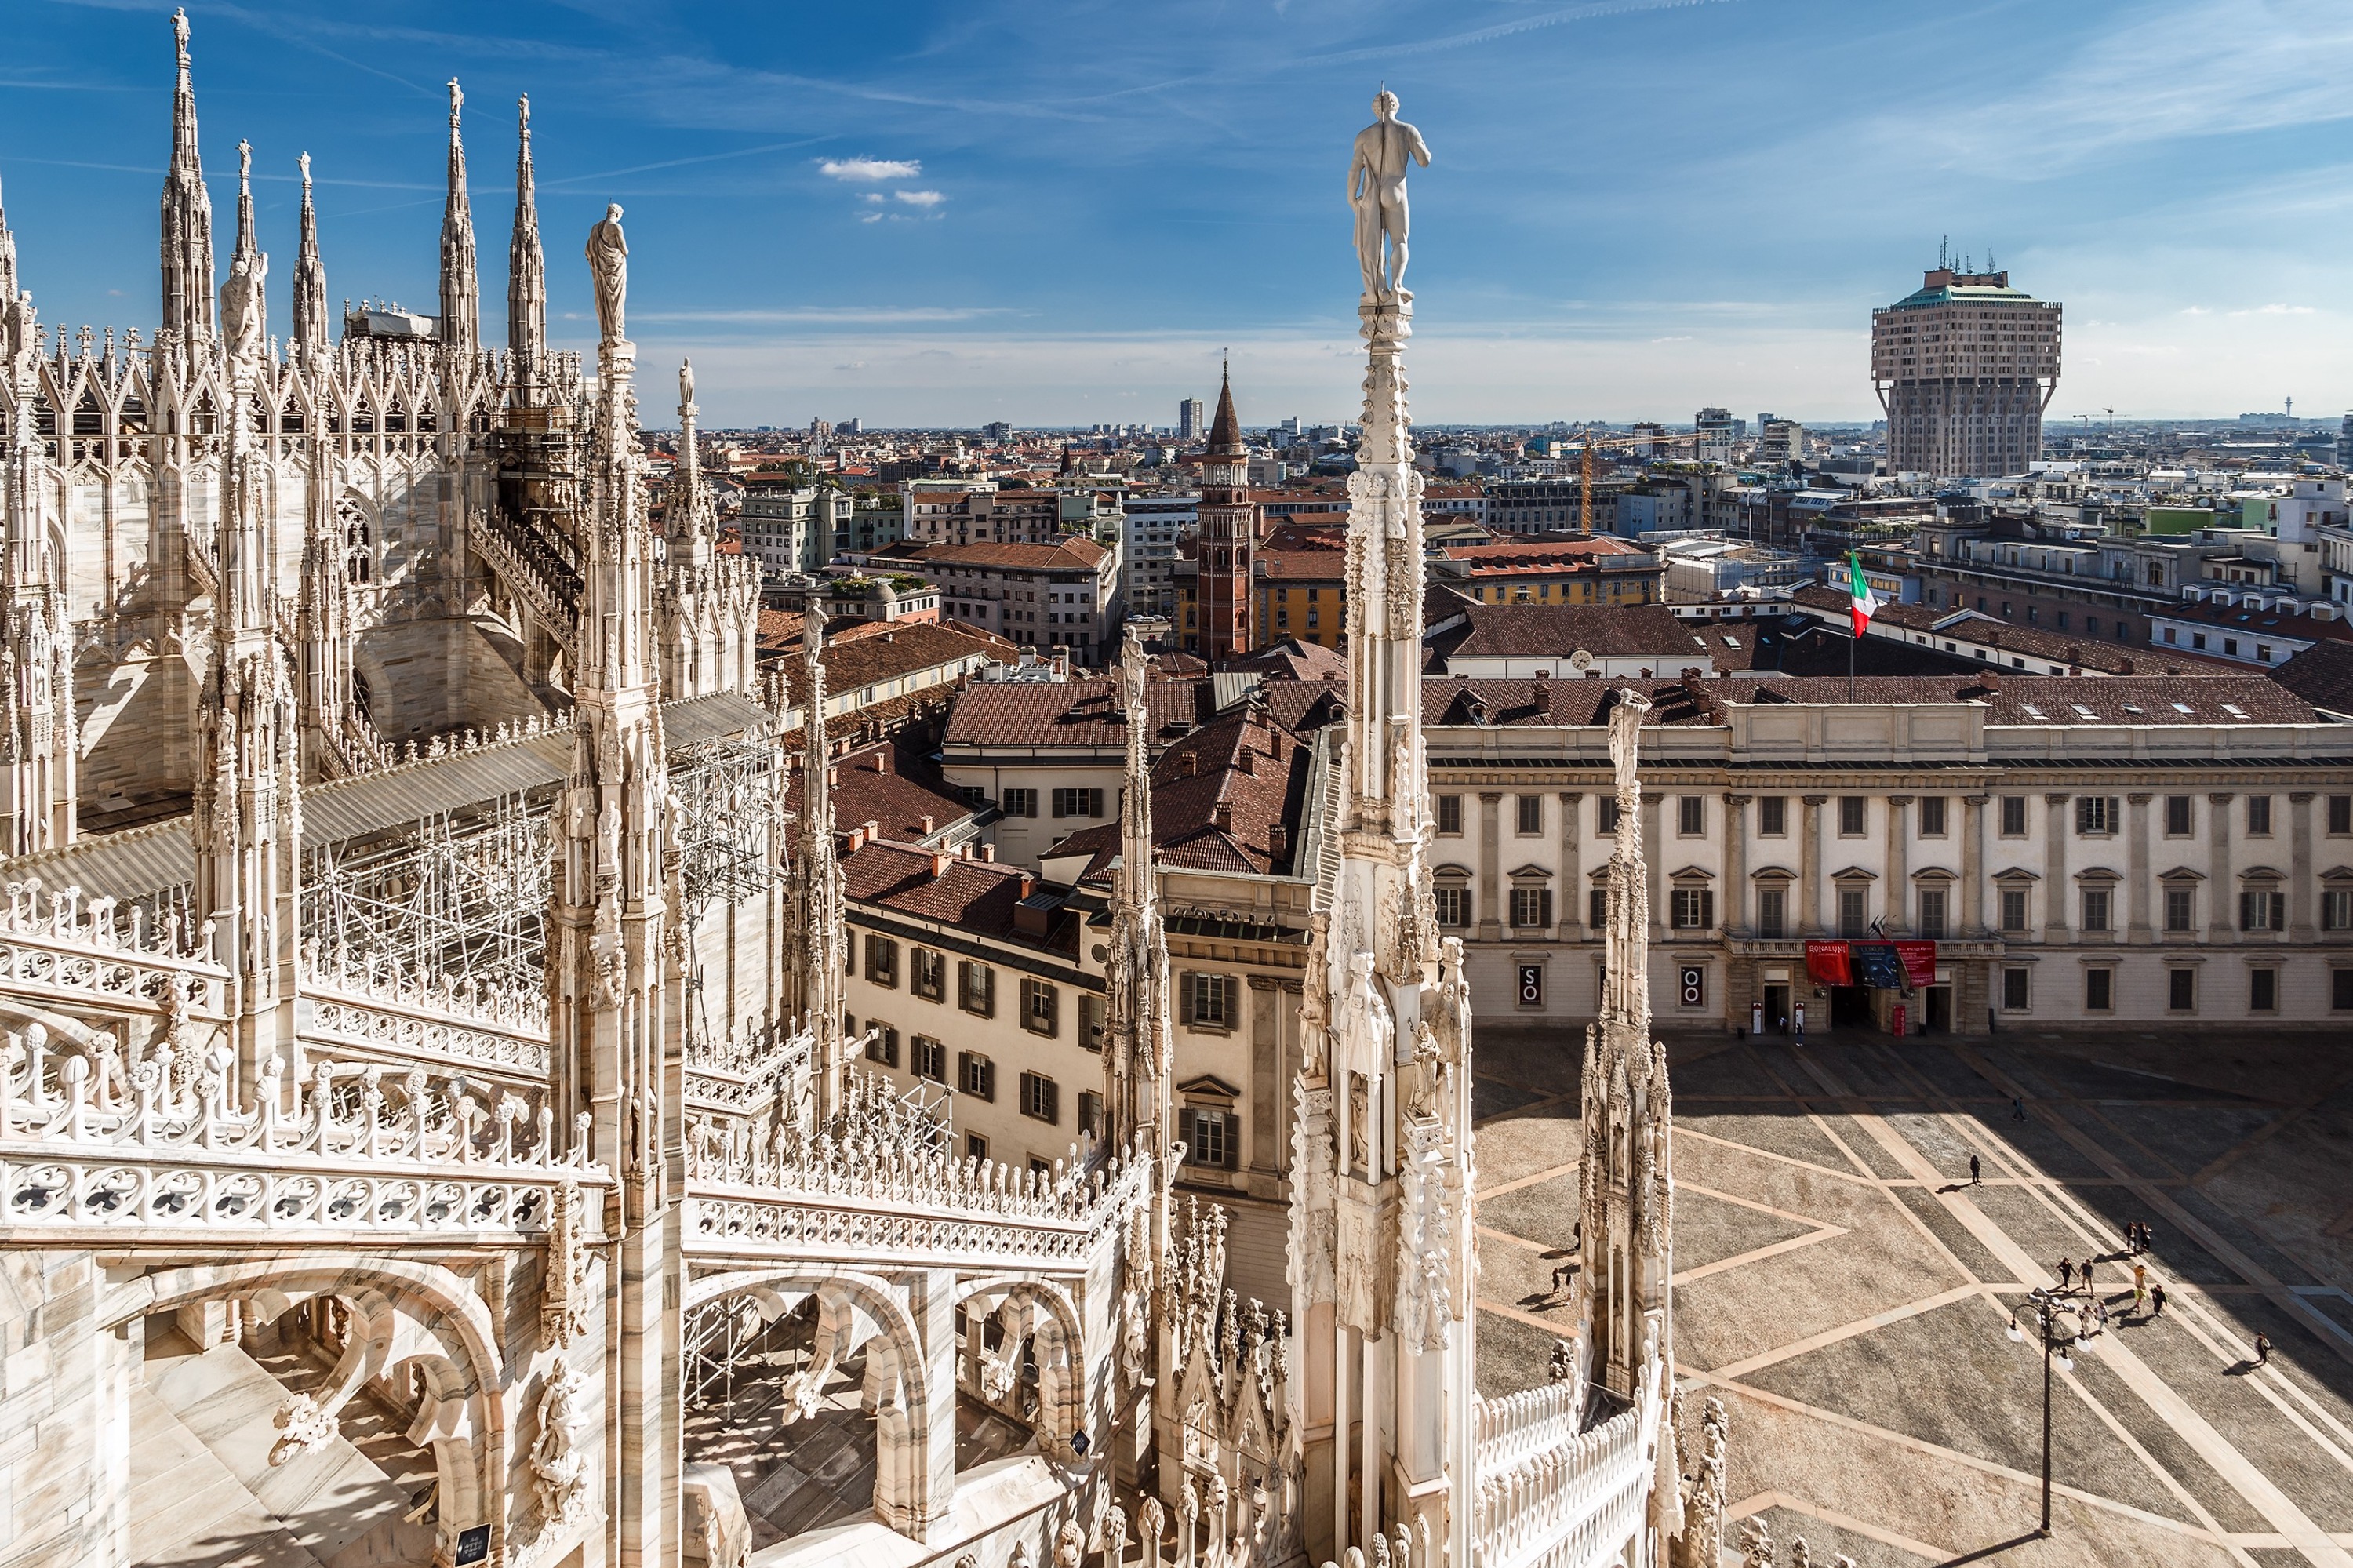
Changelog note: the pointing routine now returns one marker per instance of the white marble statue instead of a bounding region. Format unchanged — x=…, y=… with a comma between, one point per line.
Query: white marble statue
x=608, y=262
x=1384, y=150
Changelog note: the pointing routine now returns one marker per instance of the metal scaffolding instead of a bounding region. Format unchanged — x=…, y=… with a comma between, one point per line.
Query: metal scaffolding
x=455, y=900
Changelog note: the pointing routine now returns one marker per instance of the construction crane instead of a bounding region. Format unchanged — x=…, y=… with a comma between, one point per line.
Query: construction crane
x=1585, y=475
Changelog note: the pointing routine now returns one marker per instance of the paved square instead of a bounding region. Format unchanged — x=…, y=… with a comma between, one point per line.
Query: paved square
x=1843, y=1289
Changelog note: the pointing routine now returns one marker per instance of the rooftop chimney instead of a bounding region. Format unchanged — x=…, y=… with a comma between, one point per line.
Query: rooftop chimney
x=929, y=824
x=988, y=854
x=1221, y=817
x=883, y=760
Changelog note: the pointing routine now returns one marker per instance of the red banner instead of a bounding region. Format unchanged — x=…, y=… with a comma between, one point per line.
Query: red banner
x=1829, y=963
x=1919, y=961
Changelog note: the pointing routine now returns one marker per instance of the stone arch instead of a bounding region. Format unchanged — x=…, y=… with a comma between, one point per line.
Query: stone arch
x=360, y=535
x=1042, y=1313
x=914, y=1465
x=446, y=1323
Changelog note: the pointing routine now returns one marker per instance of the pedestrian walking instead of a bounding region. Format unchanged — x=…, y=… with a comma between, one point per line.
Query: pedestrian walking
x=2157, y=1300
x=2099, y=1316
x=2066, y=1274
x=2017, y=1108
x=2088, y=1274
x=2148, y=1237
x=2140, y=1286
x=2263, y=1350
x=1973, y=1170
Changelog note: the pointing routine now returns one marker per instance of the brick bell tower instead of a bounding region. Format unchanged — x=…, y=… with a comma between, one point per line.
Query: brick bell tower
x=1229, y=525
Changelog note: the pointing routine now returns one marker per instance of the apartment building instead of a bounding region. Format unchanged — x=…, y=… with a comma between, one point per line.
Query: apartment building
x=1579, y=569
x=1064, y=595
x=1972, y=853
x=1151, y=527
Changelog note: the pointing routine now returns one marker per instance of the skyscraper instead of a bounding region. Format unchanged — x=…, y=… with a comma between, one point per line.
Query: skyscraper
x=1964, y=368
x=1189, y=419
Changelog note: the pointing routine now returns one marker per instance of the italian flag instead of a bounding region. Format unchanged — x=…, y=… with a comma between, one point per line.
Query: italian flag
x=1859, y=602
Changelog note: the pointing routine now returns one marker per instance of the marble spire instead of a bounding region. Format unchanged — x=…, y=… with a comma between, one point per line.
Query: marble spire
x=244, y=307
x=813, y=895
x=7, y=261
x=526, y=264
x=187, y=232
x=691, y=518
x=309, y=278
x=1137, y=1045
x=462, y=298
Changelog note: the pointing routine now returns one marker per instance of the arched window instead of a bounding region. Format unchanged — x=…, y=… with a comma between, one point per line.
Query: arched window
x=359, y=544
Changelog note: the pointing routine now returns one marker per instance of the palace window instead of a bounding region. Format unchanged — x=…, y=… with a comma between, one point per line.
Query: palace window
x=2013, y=989
x=1449, y=814
x=1531, y=814
x=2013, y=816
x=1041, y=1097
x=1691, y=816
x=2258, y=816
x=1531, y=908
x=1853, y=814
x=1453, y=901
x=1041, y=1008
x=1773, y=816
x=2180, y=909
x=882, y=960
x=2099, y=990
x=1931, y=921
x=1091, y=1012
x=1021, y=803
x=1078, y=802
x=1932, y=816
x=976, y=988
x=2178, y=819
x=2095, y=908
x=1690, y=908
x=1854, y=911
x=1773, y=913
x=975, y=1074
x=2262, y=909
x=1209, y=1001
x=927, y=974
x=1216, y=1137
x=929, y=1059
x=2182, y=990
x=2262, y=991
x=882, y=1045
x=2013, y=910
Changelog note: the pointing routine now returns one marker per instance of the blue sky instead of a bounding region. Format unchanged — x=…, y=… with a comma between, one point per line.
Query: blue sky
x=1061, y=213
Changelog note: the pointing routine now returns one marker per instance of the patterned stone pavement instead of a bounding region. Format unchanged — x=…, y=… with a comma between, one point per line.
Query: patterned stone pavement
x=1844, y=1290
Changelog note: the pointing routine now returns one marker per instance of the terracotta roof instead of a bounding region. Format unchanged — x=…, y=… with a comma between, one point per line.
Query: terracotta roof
x=1301, y=566
x=1291, y=660
x=971, y=894
x=1830, y=604
x=1073, y=552
x=870, y=652
x=2014, y=699
x=1086, y=714
x=882, y=784
x=2322, y=675
x=2248, y=621
x=1219, y=797
x=1541, y=630
x=1518, y=552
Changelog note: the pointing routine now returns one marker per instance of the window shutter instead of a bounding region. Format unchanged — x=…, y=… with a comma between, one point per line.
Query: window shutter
x=1233, y=1141
x=1095, y=803
x=1062, y=798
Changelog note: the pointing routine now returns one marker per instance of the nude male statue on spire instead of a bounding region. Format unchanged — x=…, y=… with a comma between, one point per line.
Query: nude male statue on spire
x=1384, y=150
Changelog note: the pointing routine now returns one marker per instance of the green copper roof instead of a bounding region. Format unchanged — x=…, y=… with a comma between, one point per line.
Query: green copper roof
x=1964, y=294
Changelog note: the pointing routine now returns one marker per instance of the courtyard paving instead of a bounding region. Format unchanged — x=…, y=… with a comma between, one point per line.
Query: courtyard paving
x=1844, y=1290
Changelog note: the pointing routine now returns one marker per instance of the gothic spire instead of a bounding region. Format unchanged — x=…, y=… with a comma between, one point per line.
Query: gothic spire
x=526, y=264
x=689, y=518
x=309, y=278
x=247, y=246
x=815, y=895
x=187, y=238
x=7, y=263
x=1137, y=1042
x=461, y=307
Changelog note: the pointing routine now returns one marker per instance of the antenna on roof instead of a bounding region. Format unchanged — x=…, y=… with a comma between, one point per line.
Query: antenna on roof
x=1989, y=265
x=1944, y=251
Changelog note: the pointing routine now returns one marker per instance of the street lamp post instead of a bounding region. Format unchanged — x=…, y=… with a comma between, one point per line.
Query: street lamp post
x=2058, y=1330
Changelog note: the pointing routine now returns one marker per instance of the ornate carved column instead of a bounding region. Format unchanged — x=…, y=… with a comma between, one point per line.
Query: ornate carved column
x=2299, y=878
x=2054, y=868
x=1809, y=868
x=2136, y=928
x=1655, y=871
x=1973, y=866
x=2222, y=915
x=1491, y=865
x=1899, y=863
x=1570, y=909
x=1735, y=866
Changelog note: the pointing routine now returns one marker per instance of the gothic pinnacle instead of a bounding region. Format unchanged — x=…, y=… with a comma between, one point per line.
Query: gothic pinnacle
x=188, y=215
x=460, y=290
x=526, y=264
x=310, y=276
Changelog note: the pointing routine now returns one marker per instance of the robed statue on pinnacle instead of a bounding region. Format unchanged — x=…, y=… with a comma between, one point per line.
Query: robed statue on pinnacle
x=1385, y=151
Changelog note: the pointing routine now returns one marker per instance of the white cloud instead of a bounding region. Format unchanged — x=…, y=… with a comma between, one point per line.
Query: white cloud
x=920, y=198
x=866, y=171
x=874, y=196
x=2284, y=310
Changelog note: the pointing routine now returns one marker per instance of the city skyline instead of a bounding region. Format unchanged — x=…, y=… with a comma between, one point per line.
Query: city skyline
x=849, y=223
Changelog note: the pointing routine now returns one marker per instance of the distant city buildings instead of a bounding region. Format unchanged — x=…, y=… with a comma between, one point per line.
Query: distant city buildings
x=1189, y=415
x=1963, y=367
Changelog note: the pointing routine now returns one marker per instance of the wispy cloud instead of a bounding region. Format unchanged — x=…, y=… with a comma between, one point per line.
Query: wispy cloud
x=2277, y=311
x=920, y=198
x=870, y=171
x=809, y=315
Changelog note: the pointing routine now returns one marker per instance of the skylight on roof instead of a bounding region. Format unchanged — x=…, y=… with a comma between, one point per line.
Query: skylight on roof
x=2234, y=710
x=2182, y=707
x=1732, y=641
x=2085, y=711
x=2132, y=707
x=2029, y=707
